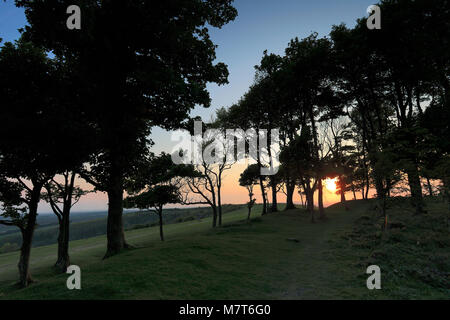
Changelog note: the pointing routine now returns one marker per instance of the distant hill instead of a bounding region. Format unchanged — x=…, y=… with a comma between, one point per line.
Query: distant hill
x=48, y=219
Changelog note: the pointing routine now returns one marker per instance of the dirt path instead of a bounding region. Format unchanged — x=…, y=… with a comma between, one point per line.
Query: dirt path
x=311, y=270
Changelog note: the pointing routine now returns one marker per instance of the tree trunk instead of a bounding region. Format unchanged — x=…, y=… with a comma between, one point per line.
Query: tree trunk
x=416, y=190
x=63, y=260
x=24, y=261
x=219, y=204
x=316, y=146
x=367, y=190
x=27, y=237
x=290, y=189
x=342, y=196
x=263, y=193
x=273, y=184
x=214, y=222
x=161, y=233
x=322, y=215
x=301, y=198
x=430, y=188
x=368, y=181
x=310, y=197
x=249, y=212
x=309, y=201
x=342, y=191
x=353, y=191
x=366, y=178
x=379, y=186
x=274, y=196
x=115, y=233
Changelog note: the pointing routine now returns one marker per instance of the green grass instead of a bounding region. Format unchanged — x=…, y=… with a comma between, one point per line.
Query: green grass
x=237, y=261
x=413, y=253
x=83, y=227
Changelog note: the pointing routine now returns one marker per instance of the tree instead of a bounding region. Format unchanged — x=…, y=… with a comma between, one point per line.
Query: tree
x=291, y=92
x=248, y=179
x=144, y=63
x=155, y=198
x=200, y=189
x=436, y=164
x=258, y=112
x=361, y=78
x=223, y=151
x=30, y=131
x=313, y=68
x=76, y=143
x=267, y=76
x=299, y=157
x=341, y=163
x=155, y=184
x=388, y=173
x=391, y=73
x=204, y=184
x=252, y=106
x=67, y=194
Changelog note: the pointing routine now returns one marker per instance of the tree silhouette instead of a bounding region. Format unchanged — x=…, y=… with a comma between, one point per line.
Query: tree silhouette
x=144, y=63
x=62, y=196
x=34, y=142
x=248, y=179
x=155, y=184
x=299, y=157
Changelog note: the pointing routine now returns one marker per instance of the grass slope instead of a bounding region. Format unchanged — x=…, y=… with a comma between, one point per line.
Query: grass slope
x=413, y=254
x=86, y=225
x=237, y=261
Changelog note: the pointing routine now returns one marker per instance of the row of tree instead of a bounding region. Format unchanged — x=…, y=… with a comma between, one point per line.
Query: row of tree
x=88, y=109
x=367, y=107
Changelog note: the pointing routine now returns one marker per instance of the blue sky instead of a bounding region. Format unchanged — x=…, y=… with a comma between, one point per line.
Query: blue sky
x=260, y=25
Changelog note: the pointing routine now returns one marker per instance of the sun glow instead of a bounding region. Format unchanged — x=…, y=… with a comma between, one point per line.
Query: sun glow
x=330, y=184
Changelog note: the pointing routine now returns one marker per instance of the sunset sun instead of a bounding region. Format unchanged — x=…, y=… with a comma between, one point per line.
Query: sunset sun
x=330, y=184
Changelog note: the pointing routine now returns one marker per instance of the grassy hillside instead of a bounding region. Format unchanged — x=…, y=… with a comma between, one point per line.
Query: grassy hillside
x=256, y=260
x=413, y=254
x=88, y=225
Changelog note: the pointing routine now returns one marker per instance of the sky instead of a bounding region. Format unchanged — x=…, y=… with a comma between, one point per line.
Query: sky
x=260, y=25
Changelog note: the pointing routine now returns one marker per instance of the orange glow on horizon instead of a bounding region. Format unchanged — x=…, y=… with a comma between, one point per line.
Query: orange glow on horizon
x=232, y=193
